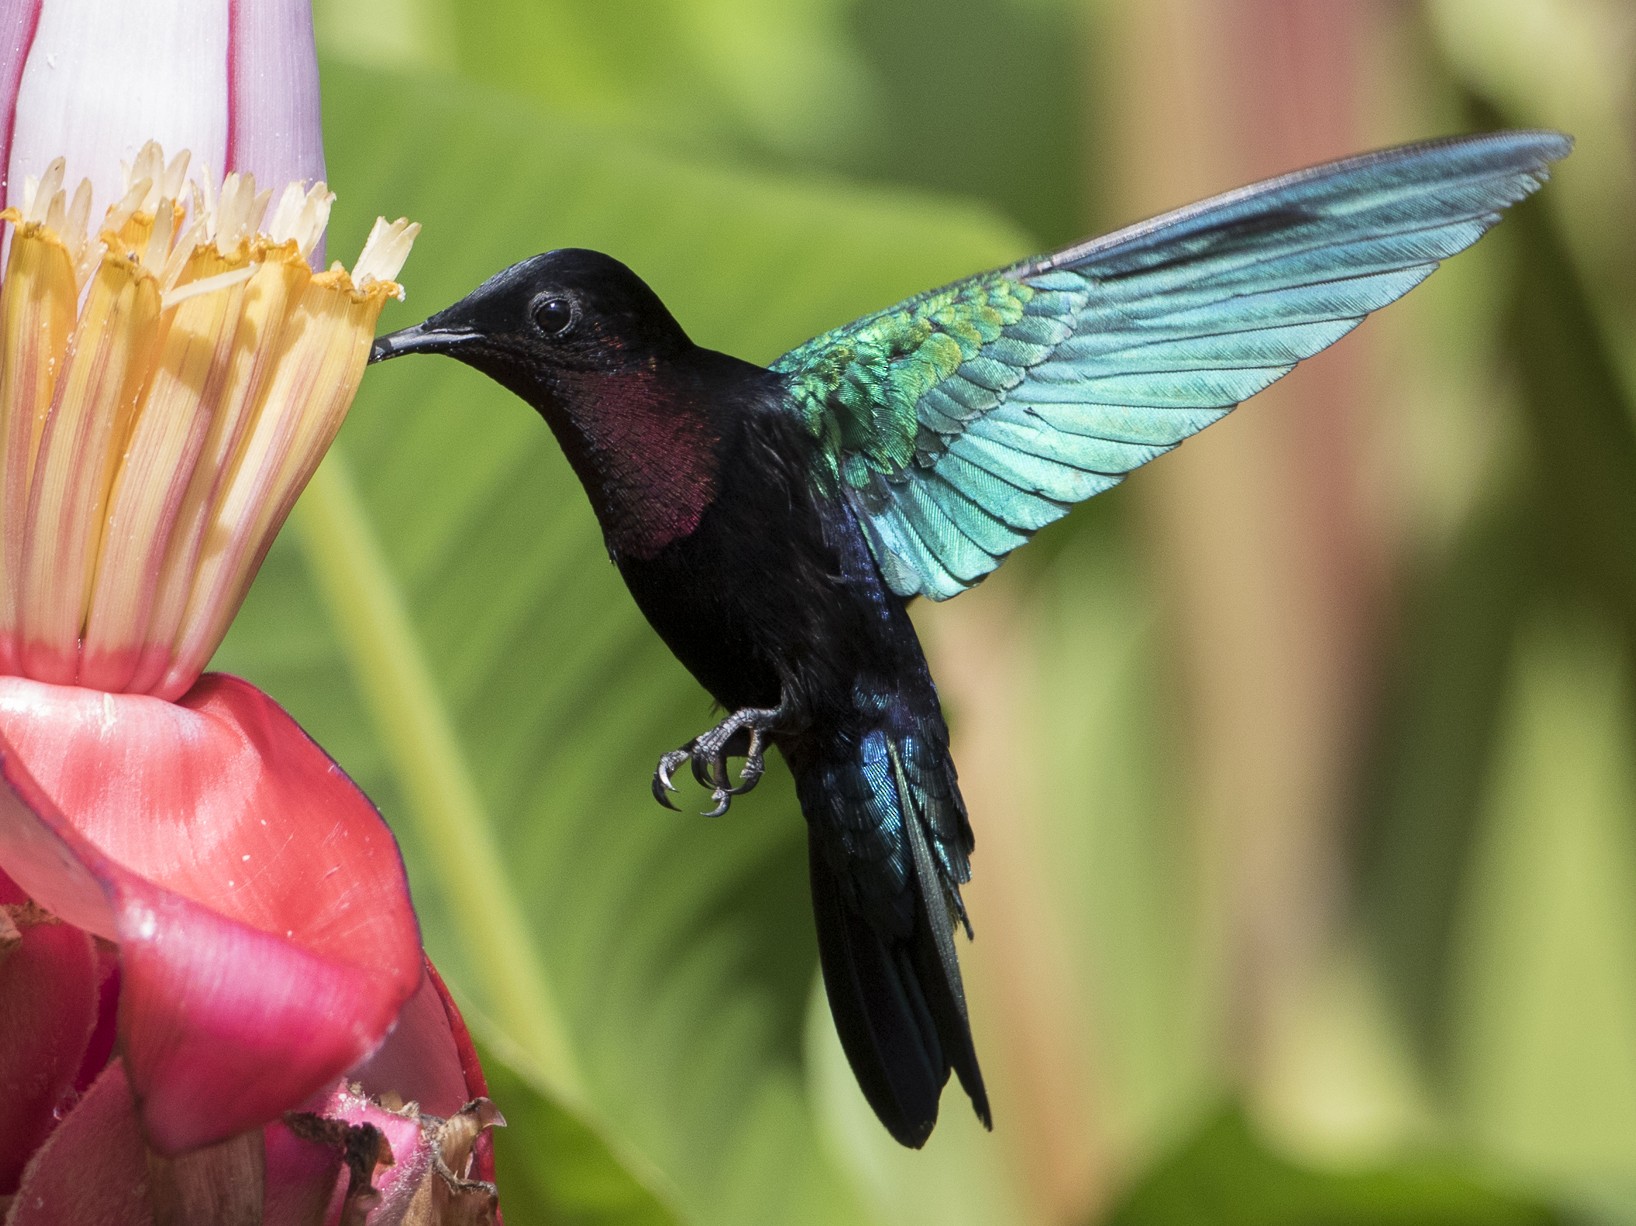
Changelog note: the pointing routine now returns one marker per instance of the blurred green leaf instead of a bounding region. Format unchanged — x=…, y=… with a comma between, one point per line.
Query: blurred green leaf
x=1227, y=1176
x=990, y=104
x=1119, y=869
x=735, y=74
x=553, y=1167
x=1566, y=521
x=1582, y=428
x=1544, y=1058
x=452, y=632
x=1427, y=778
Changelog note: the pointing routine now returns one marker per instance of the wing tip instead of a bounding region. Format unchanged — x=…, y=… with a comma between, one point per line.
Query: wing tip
x=1527, y=151
x=1547, y=144
x=1507, y=151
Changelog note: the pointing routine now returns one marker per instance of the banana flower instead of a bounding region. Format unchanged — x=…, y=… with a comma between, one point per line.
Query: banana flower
x=211, y=973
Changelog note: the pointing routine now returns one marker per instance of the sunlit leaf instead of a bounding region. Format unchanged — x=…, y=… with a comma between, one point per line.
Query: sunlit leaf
x=735, y=73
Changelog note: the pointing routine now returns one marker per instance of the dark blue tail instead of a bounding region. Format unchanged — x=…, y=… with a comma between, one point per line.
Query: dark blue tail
x=888, y=843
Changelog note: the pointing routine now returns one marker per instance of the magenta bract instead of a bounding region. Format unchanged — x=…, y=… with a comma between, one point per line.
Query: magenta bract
x=206, y=936
x=259, y=904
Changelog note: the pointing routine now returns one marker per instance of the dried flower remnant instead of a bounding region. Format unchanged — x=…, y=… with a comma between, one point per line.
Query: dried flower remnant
x=402, y=1164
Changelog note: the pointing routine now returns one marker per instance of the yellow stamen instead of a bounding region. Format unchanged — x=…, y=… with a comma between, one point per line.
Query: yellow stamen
x=325, y=345
x=38, y=300
x=103, y=374
x=158, y=462
x=256, y=354
x=165, y=393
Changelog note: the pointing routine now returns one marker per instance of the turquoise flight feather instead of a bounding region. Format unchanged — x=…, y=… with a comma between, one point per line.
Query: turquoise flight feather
x=963, y=419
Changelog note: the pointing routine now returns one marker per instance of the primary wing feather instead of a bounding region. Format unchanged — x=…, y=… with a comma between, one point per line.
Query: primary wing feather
x=962, y=420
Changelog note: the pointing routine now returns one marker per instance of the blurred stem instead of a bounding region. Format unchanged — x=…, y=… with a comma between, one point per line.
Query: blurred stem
x=365, y=604
x=1263, y=534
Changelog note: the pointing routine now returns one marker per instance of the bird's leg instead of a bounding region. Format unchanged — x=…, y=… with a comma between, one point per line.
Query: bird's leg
x=744, y=731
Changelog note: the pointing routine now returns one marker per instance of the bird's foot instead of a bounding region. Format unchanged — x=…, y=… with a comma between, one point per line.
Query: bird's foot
x=709, y=751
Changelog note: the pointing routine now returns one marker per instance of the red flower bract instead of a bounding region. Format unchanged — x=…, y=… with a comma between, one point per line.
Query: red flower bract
x=265, y=933
x=49, y=975
x=435, y=1157
x=211, y=980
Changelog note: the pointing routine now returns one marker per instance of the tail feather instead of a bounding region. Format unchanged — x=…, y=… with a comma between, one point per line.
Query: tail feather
x=886, y=908
x=880, y=1013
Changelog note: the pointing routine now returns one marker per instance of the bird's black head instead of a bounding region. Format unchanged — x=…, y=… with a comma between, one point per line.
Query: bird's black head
x=637, y=407
x=547, y=326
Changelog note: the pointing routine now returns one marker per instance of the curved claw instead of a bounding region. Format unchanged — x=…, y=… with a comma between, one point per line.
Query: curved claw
x=711, y=771
x=747, y=778
x=661, y=777
x=755, y=764
x=708, y=753
x=659, y=794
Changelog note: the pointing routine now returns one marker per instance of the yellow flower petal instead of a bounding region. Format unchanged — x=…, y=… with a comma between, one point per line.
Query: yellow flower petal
x=38, y=300
x=96, y=396
x=253, y=356
x=324, y=349
x=166, y=391
x=158, y=463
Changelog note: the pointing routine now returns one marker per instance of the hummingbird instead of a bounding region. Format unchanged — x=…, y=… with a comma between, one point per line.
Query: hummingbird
x=773, y=523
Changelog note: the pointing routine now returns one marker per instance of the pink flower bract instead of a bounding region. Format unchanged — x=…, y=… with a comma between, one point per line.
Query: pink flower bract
x=266, y=937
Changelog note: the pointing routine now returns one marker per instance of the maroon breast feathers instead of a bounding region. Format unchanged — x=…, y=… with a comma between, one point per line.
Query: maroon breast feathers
x=648, y=456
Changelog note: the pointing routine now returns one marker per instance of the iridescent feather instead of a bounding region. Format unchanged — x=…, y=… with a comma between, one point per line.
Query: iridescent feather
x=961, y=420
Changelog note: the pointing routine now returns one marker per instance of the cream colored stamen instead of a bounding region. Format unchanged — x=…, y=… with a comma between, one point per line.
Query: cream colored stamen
x=166, y=390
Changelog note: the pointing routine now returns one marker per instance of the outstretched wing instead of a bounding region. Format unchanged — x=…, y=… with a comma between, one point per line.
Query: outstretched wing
x=962, y=420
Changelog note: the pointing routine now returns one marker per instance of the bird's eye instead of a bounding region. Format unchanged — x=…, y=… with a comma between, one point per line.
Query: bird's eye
x=554, y=316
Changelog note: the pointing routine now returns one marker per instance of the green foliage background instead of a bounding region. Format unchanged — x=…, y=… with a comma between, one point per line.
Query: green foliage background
x=1230, y=967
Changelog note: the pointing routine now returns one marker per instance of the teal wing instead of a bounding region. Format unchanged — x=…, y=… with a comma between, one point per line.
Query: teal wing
x=959, y=422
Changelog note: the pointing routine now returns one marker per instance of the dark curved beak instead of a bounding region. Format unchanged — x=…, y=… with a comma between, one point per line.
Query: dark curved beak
x=422, y=338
